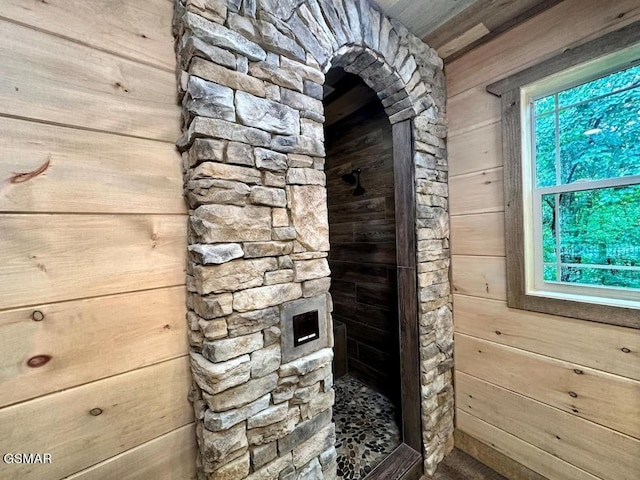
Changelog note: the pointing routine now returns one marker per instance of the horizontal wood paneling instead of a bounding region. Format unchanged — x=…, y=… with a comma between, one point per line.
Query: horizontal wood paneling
x=359, y=210
x=72, y=84
x=479, y=276
x=129, y=29
x=169, y=457
x=49, y=258
x=372, y=253
x=538, y=460
x=479, y=149
x=607, y=453
x=378, y=318
x=497, y=461
x=136, y=407
x=603, y=347
x=93, y=236
x=481, y=234
x=130, y=330
x=478, y=192
x=600, y=397
x=471, y=110
x=87, y=171
x=567, y=24
x=547, y=348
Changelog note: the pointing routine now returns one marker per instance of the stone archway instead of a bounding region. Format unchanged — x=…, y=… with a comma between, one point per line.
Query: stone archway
x=251, y=86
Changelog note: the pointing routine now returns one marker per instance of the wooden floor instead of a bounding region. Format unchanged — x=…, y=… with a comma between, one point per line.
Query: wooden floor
x=460, y=466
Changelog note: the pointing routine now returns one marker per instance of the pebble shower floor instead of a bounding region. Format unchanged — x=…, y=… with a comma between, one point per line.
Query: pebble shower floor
x=366, y=428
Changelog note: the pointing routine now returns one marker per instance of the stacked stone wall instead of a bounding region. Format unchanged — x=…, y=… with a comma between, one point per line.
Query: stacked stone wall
x=251, y=75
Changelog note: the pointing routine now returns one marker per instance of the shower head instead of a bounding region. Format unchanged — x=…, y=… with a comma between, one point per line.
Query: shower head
x=353, y=178
x=359, y=190
x=349, y=178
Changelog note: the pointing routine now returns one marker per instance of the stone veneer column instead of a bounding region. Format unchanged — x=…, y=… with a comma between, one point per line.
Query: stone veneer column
x=251, y=75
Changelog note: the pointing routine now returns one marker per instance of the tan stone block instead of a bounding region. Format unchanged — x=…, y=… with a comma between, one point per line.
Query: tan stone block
x=309, y=217
x=232, y=276
x=215, y=73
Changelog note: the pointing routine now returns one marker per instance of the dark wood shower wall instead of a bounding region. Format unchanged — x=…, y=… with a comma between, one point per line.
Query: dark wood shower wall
x=363, y=249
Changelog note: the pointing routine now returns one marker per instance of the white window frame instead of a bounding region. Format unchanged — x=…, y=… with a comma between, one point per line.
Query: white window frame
x=532, y=195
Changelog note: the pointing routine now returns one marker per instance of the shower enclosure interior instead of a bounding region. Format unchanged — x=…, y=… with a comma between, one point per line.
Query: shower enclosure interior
x=361, y=205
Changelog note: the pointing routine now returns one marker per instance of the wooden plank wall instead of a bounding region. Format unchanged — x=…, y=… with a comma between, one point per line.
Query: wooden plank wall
x=93, y=365
x=557, y=395
x=363, y=245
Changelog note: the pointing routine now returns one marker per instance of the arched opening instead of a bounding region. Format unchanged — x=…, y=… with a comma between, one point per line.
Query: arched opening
x=258, y=273
x=363, y=232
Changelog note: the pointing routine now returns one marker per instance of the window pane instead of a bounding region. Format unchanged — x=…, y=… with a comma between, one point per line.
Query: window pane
x=603, y=277
x=543, y=105
x=546, y=150
x=550, y=273
x=548, y=229
x=602, y=86
x=600, y=227
x=599, y=138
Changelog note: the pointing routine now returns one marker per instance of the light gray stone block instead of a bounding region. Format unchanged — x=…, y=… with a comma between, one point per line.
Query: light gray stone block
x=230, y=223
x=272, y=197
x=240, y=154
x=222, y=192
x=221, y=421
x=265, y=360
x=211, y=306
x=218, y=445
x=223, y=37
x=232, y=276
x=268, y=296
x=254, y=321
x=241, y=395
x=304, y=365
x=215, y=254
x=224, y=76
x=305, y=176
x=227, y=348
x=309, y=217
x=268, y=416
x=221, y=129
x=267, y=114
x=209, y=99
x=270, y=160
x=217, y=377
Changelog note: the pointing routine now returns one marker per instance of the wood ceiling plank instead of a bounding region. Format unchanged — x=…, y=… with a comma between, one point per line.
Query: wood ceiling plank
x=423, y=17
x=350, y=102
x=467, y=38
x=492, y=13
x=572, y=22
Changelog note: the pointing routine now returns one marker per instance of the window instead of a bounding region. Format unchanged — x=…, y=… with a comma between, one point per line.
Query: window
x=572, y=182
